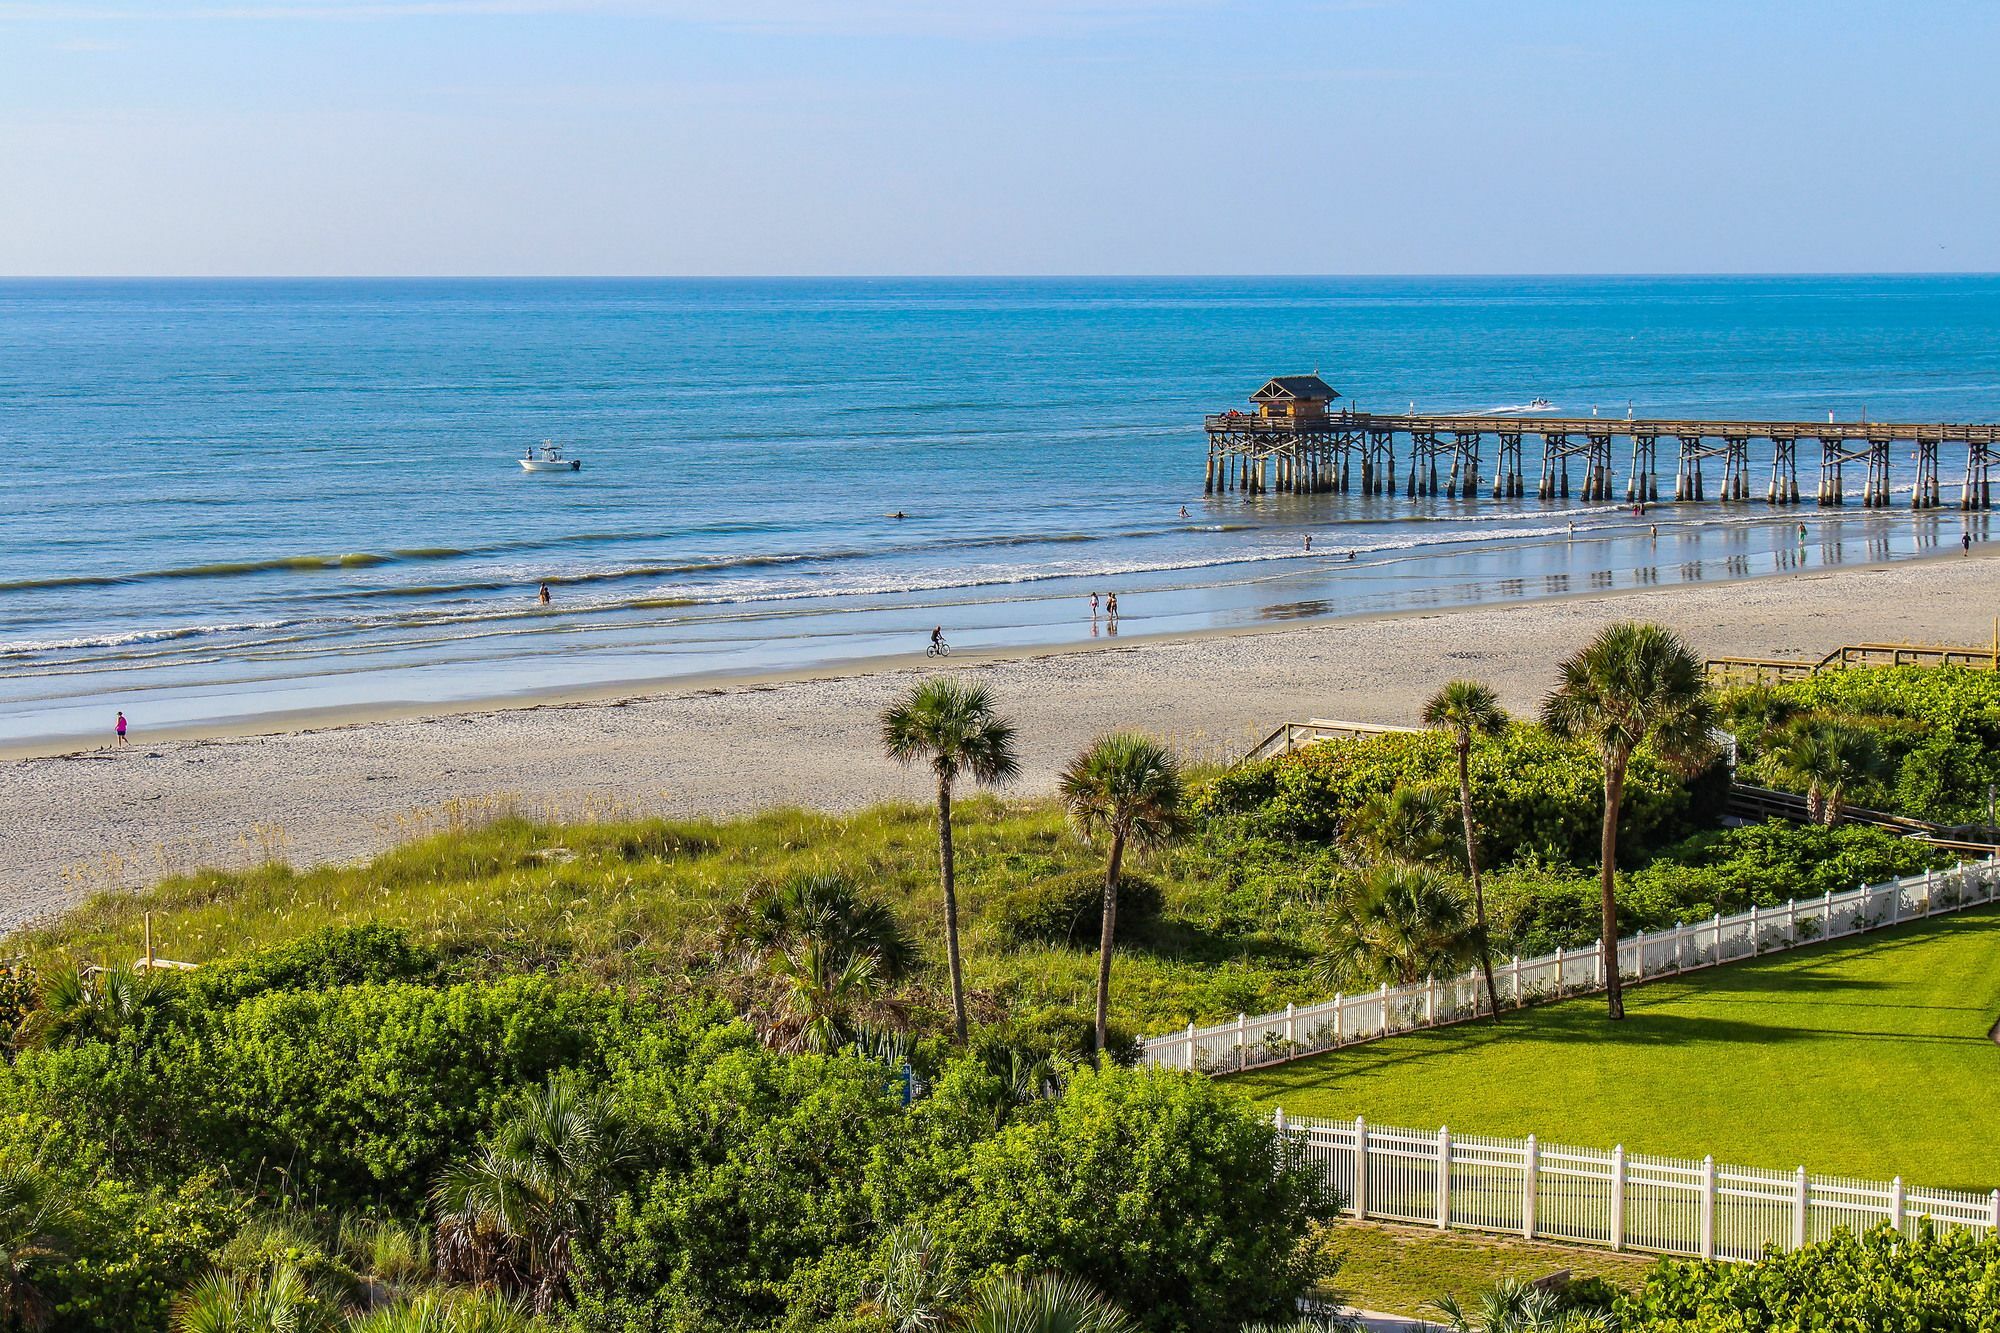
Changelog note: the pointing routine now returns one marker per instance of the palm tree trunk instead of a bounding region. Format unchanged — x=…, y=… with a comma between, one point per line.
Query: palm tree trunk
x=1106, y=941
x=948, y=877
x=1614, y=796
x=1472, y=867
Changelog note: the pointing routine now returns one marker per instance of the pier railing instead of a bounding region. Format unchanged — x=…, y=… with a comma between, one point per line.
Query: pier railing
x=1763, y=670
x=1297, y=1031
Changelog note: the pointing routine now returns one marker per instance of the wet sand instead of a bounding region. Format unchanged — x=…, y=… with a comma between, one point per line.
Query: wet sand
x=340, y=788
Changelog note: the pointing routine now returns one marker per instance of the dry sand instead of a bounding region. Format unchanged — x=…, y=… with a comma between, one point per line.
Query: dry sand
x=73, y=823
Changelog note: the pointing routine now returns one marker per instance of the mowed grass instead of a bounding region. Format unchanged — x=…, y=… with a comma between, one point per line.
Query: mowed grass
x=1399, y=1270
x=1869, y=1057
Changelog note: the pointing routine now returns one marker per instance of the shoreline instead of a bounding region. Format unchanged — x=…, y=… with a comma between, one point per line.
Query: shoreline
x=343, y=789
x=312, y=721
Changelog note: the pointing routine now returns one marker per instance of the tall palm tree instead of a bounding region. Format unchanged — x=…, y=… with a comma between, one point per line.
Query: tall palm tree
x=512, y=1214
x=1127, y=788
x=1466, y=709
x=1827, y=758
x=1633, y=685
x=34, y=1223
x=1049, y=1303
x=1396, y=921
x=951, y=723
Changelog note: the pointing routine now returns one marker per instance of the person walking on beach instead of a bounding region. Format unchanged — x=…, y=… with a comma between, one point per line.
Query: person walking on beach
x=1965, y=541
x=1802, y=534
x=1093, y=606
x=1111, y=606
x=1654, y=532
x=120, y=729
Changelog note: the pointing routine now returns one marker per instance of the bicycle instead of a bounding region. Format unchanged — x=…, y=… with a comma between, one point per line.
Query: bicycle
x=938, y=649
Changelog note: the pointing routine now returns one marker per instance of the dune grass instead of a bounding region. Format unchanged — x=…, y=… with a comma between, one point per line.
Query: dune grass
x=1869, y=1057
x=638, y=900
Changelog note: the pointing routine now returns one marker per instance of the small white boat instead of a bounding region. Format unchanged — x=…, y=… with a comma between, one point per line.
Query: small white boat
x=1535, y=405
x=549, y=458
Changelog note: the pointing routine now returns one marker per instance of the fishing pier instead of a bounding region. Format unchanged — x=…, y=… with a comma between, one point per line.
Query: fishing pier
x=1293, y=441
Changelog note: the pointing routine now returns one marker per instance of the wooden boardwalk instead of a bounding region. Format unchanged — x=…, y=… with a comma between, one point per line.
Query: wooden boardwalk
x=1307, y=450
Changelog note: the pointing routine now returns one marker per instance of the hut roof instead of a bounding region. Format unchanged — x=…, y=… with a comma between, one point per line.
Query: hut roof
x=1289, y=388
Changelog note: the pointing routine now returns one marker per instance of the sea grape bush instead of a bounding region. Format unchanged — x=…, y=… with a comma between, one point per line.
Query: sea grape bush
x=1532, y=793
x=1938, y=726
x=1879, y=1280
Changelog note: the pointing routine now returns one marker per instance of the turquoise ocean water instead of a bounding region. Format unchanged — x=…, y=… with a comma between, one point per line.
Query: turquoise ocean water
x=226, y=500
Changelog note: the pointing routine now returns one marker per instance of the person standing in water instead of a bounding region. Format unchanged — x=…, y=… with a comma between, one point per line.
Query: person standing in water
x=119, y=727
x=1965, y=541
x=1111, y=606
x=1309, y=541
x=544, y=594
x=1093, y=606
x=1184, y=512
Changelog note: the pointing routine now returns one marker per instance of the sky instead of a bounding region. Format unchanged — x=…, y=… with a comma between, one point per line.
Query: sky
x=737, y=137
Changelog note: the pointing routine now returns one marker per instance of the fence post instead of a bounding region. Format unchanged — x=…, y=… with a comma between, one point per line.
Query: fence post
x=1895, y=903
x=1896, y=1204
x=1278, y=1121
x=1339, y=1018
x=1618, y=1197
x=1531, y=1182
x=1190, y=1046
x=1717, y=956
x=1680, y=940
x=1384, y=993
x=1826, y=914
x=1559, y=971
x=1993, y=1217
x=1597, y=964
x=1799, y=1200
x=1444, y=1178
x=1514, y=985
x=1430, y=1001
x=1791, y=921
x=1708, y=1207
x=1360, y=1167
x=1291, y=1025
x=1640, y=940
x=1753, y=930
x=1242, y=1052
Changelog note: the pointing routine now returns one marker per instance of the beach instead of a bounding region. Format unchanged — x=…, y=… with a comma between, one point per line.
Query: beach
x=346, y=786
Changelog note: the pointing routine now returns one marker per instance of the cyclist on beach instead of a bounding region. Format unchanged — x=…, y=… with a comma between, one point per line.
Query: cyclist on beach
x=937, y=637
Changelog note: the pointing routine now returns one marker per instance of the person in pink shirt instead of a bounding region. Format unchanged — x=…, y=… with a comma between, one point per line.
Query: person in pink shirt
x=121, y=729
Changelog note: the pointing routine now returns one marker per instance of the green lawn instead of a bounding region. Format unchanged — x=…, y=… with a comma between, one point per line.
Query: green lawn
x=1398, y=1270
x=1867, y=1058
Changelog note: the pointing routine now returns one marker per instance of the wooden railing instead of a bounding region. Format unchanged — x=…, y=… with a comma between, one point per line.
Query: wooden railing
x=1295, y=734
x=1763, y=670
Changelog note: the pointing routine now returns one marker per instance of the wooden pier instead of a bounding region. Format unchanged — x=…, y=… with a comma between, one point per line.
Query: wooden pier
x=1294, y=442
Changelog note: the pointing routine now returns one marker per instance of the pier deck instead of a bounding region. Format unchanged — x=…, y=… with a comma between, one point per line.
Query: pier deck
x=1309, y=450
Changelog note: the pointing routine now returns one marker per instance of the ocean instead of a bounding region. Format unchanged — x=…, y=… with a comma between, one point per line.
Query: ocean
x=235, y=500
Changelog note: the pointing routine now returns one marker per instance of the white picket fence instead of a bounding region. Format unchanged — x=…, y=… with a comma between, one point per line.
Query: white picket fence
x=1627, y=1201
x=1298, y=1031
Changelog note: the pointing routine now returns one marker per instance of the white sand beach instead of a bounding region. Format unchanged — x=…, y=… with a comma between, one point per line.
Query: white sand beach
x=346, y=788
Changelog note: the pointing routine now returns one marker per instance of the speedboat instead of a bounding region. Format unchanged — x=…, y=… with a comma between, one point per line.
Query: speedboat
x=549, y=458
x=1534, y=405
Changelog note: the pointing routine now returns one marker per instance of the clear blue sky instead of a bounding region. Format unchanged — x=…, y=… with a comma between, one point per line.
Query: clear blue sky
x=1007, y=136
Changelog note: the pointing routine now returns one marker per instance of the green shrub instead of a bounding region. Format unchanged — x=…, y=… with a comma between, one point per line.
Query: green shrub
x=1166, y=1191
x=1532, y=793
x=1938, y=726
x=333, y=956
x=132, y=1250
x=1067, y=910
x=1877, y=1281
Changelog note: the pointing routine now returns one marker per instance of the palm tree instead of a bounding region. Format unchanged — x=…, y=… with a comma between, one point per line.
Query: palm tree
x=952, y=724
x=823, y=986
x=89, y=1004
x=444, y=1310
x=1127, y=788
x=828, y=908
x=34, y=1223
x=1510, y=1306
x=280, y=1301
x=1405, y=823
x=1632, y=685
x=1050, y=1303
x=1466, y=709
x=1396, y=921
x=920, y=1289
x=512, y=1214
x=1827, y=758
